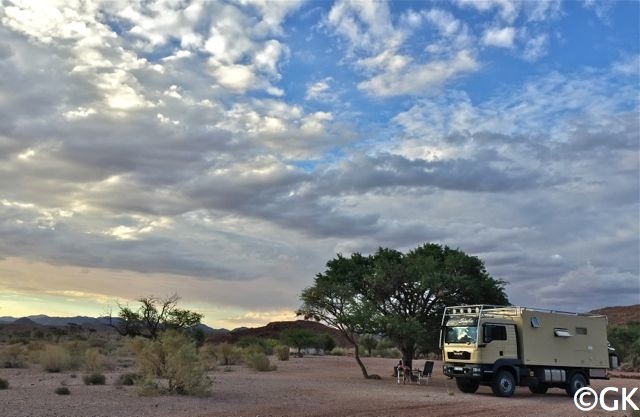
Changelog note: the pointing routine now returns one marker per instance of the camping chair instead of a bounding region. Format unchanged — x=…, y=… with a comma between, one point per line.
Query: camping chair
x=426, y=372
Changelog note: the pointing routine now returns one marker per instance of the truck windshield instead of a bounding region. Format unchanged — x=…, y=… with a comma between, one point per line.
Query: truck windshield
x=460, y=334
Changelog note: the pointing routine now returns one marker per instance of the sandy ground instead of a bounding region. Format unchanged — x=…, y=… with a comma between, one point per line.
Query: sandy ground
x=309, y=386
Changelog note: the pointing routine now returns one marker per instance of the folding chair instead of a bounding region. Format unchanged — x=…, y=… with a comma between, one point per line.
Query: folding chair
x=426, y=372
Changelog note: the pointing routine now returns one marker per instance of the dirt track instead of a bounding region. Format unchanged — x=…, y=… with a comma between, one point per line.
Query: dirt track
x=309, y=386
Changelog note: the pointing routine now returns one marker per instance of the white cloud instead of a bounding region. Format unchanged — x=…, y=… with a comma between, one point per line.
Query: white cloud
x=317, y=90
x=536, y=47
x=500, y=37
x=417, y=79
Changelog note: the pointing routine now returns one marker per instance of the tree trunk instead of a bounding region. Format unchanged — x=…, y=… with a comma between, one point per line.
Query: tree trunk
x=407, y=357
x=357, y=356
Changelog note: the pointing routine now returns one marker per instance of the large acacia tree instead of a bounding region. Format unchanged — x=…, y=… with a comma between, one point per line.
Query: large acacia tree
x=334, y=299
x=399, y=295
x=410, y=291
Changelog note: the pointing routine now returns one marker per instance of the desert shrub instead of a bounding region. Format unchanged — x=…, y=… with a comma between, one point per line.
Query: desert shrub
x=129, y=378
x=253, y=341
x=282, y=352
x=228, y=354
x=94, y=361
x=208, y=356
x=55, y=359
x=94, y=379
x=626, y=340
x=4, y=384
x=62, y=391
x=258, y=361
x=174, y=358
x=198, y=336
x=13, y=356
x=77, y=350
x=387, y=353
x=338, y=351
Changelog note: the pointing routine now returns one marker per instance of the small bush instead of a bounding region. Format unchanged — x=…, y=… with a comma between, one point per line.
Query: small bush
x=62, y=391
x=258, y=361
x=55, y=359
x=228, y=354
x=4, y=384
x=208, y=356
x=13, y=356
x=94, y=379
x=338, y=351
x=94, y=361
x=128, y=379
x=282, y=352
x=172, y=357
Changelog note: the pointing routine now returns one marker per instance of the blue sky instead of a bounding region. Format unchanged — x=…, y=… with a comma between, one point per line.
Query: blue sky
x=225, y=150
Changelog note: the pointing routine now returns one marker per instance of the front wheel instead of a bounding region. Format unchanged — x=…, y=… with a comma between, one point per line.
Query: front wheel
x=468, y=386
x=503, y=384
x=576, y=381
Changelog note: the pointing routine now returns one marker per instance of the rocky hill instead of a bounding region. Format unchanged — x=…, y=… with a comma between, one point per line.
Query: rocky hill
x=621, y=314
x=273, y=330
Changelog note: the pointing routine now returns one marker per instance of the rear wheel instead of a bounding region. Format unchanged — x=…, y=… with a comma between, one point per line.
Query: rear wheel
x=576, y=381
x=468, y=386
x=503, y=384
x=539, y=389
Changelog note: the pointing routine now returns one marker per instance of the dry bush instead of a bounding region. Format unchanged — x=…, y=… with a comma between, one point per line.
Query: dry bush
x=258, y=361
x=282, y=352
x=209, y=356
x=94, y=361
x=62, y=391
x=13, y=356
x=55, y=358
x=4, y=384
x=338, y=351
x=95, y=378
x=174, y=358
x=228, y=354
x=129, y=378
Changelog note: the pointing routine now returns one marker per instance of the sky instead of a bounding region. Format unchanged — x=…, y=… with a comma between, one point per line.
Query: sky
x=226, y=150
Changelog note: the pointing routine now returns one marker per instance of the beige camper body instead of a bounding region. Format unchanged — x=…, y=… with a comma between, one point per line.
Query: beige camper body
x=556, y=338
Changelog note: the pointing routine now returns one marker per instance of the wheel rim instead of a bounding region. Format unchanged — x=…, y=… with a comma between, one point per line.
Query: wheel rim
x=506, y=384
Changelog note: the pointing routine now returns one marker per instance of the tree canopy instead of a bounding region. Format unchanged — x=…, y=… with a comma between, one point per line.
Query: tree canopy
x=154, y=315
x=400, y=295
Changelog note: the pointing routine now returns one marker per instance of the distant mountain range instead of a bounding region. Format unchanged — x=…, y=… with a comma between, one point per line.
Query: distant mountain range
x=83, y=321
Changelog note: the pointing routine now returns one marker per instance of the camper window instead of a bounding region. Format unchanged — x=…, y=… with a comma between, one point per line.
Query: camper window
x=581, y=330
x=562, y=332
x=535, y=322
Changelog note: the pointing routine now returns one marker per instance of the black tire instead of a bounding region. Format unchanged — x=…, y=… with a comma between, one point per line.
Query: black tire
x=466, y=385
x=503, y=384
x=576, y=381
x=539, y=389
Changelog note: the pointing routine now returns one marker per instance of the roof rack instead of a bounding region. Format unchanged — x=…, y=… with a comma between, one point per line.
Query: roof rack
x=481, y=310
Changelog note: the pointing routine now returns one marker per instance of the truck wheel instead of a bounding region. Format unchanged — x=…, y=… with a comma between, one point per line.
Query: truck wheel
x=503, y=384
x=576, y=381
x=539, y=389
x=468, y=386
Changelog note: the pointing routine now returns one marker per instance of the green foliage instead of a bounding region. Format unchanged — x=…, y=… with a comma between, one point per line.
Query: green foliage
x=198, y=337
x=325, y=342
x=298, y=338
x=368, y=342
x=282, y=352
x=155, y=315
x=174, y=358
x=258, y=361
x=4, y=384
x=62, y=391
x=399, y=295
x=264, y=346
x=94, y=379
x=626, y=340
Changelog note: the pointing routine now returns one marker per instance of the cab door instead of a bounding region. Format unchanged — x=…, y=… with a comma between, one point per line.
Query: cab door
x=499, y=342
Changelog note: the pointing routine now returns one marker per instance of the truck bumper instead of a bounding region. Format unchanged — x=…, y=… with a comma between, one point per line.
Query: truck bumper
x=465, y=370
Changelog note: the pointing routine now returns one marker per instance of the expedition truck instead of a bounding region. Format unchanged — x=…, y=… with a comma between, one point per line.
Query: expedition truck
x=504, y=347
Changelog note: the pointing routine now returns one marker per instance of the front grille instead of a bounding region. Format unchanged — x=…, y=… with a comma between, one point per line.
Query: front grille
x=457, y=354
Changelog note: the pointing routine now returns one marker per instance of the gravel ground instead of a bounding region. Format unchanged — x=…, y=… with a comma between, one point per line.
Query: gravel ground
x=310, y=386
